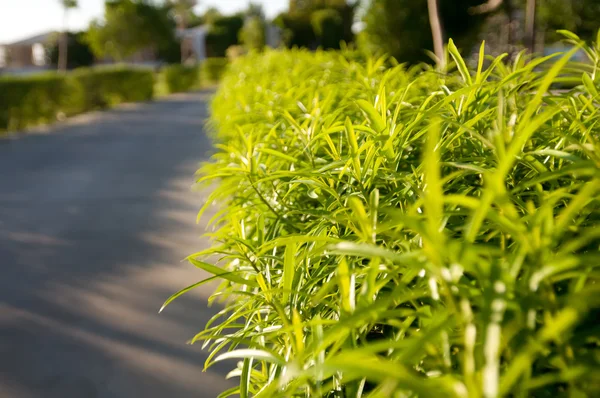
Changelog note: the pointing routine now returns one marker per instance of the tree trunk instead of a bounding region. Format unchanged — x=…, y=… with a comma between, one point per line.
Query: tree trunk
x=183, y=42
x=530, y=25
x=63, y=44
x=436, y=31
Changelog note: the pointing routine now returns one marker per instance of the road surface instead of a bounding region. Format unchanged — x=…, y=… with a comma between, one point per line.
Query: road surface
x=95, y=216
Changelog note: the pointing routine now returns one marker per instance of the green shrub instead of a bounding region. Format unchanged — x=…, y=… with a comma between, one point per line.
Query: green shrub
x=296, y=29
x=400, y=233
x=31, y=100
x=181, y=78
x=328, y=26
x=212, y=69
x=104, y=87
x=253, y=35
x=79, y=53
x=223, y=33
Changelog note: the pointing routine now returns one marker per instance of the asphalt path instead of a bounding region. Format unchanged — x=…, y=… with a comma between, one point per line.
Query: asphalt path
x=96, y=215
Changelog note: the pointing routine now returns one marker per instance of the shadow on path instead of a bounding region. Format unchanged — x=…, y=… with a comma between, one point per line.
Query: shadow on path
x=94, y=220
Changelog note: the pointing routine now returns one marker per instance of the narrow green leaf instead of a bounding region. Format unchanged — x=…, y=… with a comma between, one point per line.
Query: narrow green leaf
x=259, y=355
x=289, y=269
x=221, y=273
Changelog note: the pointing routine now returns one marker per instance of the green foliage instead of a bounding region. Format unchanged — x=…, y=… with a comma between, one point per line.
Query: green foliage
x=39, y=99
x=401, y=28
x=213, y=69
x=296, y=29
x=328, y=26
x=403, y=232
x=79, y=53
x=181, y=78
x=310, y=23
x=104, y=87
x=579, y=16
x=223, y=33
x=69, y=4
x=130, y=26
x=252, y=34
x=32, y=100
x=309, y=5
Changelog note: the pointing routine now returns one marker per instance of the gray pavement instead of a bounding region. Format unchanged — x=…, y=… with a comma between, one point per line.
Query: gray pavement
x=95, y=216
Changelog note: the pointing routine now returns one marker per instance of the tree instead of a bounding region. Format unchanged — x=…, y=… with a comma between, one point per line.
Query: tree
x=183, y=9
x=401, y=28
x=211, y=15
x=223, y=32
x=298, y=24
x=530, y=25
x=579, y=16
x=252, y=35
x=296, y=29
x=437, y=32
x=328, y=26
x=130, y=26
x=255, y=10
x=308, y=5
x=543, y=19
x=79, y=53
x=530, y=17
x=64, y=39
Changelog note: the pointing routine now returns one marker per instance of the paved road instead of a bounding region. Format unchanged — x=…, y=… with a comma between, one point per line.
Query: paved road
x=95, y=217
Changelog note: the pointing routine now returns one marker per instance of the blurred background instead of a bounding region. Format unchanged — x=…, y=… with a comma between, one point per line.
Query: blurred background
x=96, y=216
x=40, y=35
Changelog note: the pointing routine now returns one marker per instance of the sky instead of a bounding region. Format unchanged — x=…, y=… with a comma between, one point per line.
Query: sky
x=20, y=19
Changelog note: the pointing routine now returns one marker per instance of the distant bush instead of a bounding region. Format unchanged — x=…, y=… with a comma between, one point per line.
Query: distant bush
x=104, y=87
x=394, y=232
x=328, y=26
x=212, y=69
x=31, y=100
x=253, y=34
x=180, y=78
x=318, y=23
x=296, y=29
x=79, y=53
x=223, y=32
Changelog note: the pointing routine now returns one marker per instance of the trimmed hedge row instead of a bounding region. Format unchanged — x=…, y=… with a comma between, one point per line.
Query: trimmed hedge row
x=26, y=101
x=213, y=69
x=105, y=87
x=180, y=78
x=386, y=232
x=32, y=100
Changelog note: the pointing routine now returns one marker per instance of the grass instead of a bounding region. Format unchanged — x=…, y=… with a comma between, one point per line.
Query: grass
x=392, y=232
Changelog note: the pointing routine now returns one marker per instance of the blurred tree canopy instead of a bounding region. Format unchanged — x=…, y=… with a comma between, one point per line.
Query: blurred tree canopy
x=252, y=34
x=313, y=23
x=223, y=32
x=401, y=27
x=255, y=10
x=579, y=16
x=79, y=53
x=130, y=26
x=328, y=26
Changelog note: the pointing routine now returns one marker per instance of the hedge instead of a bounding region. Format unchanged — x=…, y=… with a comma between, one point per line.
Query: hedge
x=105, y=87
x=213, y=69
x=180, y=78
x=399, y=233
x=33, y=100
x=36, y=99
